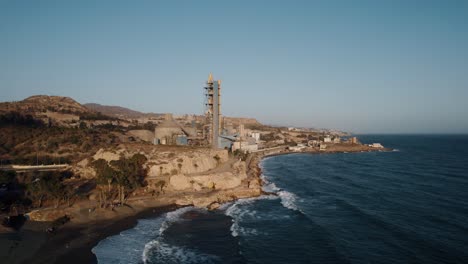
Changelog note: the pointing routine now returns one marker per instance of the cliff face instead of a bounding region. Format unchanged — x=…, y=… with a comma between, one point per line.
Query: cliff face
x=179, y=175
x=187, y=163
x=167, y=161
x=196, y=176
x=221, y=181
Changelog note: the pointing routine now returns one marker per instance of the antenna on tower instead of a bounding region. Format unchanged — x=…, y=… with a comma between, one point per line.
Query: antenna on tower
x=210, y=78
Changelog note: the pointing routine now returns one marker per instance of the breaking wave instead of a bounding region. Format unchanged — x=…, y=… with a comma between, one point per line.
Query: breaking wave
x=174, y=216
x=238, y=212
x=144, y=243
x=288, y=200
x=162, y=252
x=157, y=251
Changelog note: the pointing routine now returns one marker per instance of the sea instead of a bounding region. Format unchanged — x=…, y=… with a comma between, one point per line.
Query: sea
x=408, y=205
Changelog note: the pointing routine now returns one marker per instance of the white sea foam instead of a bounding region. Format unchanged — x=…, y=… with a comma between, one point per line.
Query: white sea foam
x=163, y=248
x=268, y=186
x=238, y=212
x=288, y=200
x=127, y=246
x=162, y=252
x=131, y=246
x=174, y=216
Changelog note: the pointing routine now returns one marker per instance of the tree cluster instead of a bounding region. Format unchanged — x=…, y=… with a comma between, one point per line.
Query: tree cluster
x=116, y=179
x=50, y=186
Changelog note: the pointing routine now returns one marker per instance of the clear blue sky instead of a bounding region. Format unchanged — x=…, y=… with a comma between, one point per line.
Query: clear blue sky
x=361, y=66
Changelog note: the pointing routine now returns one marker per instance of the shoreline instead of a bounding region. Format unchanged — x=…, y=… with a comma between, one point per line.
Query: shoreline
x=73, y=243
x=83, y=253
x=288, y=152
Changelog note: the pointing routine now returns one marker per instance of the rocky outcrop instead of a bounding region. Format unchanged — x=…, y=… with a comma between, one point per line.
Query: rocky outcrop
x=196, y=161
x=218, y=181
x=46, y=215
x=211, y=190
x=107, y=155
x=84, y=169
x=215, y=198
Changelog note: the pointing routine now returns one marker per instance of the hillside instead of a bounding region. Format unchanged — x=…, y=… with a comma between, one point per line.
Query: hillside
x=47, y=110
x=43, y=103
x=48, y=129
x=114, y=111
x=121, y=112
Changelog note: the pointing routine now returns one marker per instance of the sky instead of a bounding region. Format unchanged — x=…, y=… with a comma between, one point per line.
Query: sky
x=358, y=66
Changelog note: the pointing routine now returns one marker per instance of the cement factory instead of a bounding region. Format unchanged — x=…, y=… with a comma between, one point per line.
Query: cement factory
x=240, y=134
x=210, y=129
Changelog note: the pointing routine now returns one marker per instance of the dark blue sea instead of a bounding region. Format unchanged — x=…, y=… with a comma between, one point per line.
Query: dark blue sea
x=409, y=205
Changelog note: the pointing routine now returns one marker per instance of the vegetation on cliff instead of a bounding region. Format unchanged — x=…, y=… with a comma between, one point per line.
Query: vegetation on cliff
x=117, y=178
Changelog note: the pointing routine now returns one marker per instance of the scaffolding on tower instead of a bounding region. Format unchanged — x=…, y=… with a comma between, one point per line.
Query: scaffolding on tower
x=213, y=110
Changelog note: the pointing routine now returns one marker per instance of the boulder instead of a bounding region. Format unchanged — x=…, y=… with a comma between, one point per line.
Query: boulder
x=213, y=206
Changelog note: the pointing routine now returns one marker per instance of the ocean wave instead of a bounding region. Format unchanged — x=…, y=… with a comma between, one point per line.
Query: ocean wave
x=238, y=212
x=169, y=219
x=127, y=246
x=269, y=186
x=288, y=200
x=132, y=245
x=157, y=251
x=175, y=216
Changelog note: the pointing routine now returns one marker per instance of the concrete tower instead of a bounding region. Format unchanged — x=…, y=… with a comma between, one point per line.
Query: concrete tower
x=213, y=110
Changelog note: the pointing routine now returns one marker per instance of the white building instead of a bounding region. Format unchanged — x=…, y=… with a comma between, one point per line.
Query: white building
x=255, y=135
x=245, y=146
x=299, y=147
x=296, y=148
x=376, y=145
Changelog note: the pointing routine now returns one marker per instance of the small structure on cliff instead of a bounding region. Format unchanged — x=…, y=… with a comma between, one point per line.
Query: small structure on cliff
x=169, y=132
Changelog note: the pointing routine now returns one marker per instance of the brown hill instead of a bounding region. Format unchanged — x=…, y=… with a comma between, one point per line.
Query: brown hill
x=42, y=103
x=115, y=111
x=50, y=110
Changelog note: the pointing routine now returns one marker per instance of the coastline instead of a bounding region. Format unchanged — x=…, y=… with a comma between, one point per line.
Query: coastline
x=73, y=242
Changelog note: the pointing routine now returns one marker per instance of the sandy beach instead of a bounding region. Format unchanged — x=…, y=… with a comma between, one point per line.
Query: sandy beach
x=71, y=243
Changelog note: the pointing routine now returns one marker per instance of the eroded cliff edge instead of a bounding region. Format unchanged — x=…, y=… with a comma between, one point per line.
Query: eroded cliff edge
x=201, y=177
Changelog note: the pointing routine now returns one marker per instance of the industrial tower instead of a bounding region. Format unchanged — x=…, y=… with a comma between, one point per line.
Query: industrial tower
x=213, y=110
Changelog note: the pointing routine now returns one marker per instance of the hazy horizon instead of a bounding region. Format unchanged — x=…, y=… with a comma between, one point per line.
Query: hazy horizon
x=365, y=67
